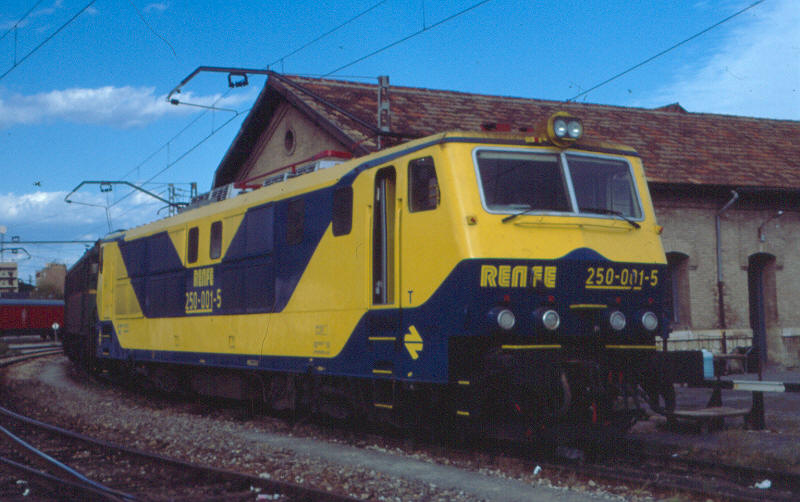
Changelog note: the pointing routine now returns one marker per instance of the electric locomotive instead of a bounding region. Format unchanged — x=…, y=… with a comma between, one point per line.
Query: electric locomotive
x=513, y=282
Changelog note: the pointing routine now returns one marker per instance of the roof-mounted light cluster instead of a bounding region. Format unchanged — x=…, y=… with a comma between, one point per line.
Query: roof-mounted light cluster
x=564, y=129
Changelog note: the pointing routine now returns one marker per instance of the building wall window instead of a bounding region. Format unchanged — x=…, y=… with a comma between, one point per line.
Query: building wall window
x=679, y=298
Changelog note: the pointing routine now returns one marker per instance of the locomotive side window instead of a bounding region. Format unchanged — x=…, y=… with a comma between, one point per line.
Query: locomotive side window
x=194, y=238
x=514, y=181
x=259, y=230
x=423, y=186
x=294, y=221
x=603, y=185
x=342, y=210
x=215, y=246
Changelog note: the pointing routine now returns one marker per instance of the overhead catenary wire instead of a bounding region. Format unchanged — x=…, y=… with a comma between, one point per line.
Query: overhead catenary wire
x=424, y=29
x=24, y=16
x=332, y=30
x=178, y=159
x=639, y=65
x=395, y=43
x=195, y=120
x=295, y=51
x=408, y=37
x=50, y=37
x=154, y=32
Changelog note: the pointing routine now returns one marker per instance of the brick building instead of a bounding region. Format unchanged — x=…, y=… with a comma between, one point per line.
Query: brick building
x=9, y=283
x=726, y=189
x=51, y=279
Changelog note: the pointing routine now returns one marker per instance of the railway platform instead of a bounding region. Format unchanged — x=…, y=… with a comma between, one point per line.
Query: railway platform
x=772, y=380
x=773, y=444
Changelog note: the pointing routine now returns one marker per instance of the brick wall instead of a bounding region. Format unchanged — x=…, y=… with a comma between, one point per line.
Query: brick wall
x=689, y=228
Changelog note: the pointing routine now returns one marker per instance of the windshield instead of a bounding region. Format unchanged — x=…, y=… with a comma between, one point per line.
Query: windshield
x=513, y=181
x=603, y=185
x=519, y=180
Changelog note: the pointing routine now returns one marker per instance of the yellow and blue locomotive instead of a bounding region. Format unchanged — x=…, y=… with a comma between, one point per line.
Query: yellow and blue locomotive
x=513, y=281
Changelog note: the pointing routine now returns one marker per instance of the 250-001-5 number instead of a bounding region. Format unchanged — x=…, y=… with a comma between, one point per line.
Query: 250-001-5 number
x=625, y=278
x=205, y=300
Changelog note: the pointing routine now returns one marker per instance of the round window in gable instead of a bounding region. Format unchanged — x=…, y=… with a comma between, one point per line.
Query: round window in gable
x=289, y=141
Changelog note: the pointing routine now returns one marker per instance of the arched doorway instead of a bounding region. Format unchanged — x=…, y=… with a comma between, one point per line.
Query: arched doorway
x=763, y=302
x=678, y=299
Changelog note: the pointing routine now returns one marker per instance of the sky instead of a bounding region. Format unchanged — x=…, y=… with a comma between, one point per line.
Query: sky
x=83, y=83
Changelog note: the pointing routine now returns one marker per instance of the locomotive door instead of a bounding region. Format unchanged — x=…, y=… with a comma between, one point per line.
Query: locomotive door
x=385, y=318
x=383, y=238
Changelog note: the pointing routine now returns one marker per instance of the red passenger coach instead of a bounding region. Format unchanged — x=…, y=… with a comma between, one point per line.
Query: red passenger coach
x=30, y=317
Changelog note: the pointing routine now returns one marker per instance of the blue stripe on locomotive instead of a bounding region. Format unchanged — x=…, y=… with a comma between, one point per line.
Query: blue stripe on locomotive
x=256, y=274
x=458, y=308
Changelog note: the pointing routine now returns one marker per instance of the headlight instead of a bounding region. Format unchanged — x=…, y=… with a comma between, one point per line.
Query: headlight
x=617, y=320
x=504, y=318
x=649, y=321
x=560, y=128
x=563, y=128
x=550, y=319
x=575, y=128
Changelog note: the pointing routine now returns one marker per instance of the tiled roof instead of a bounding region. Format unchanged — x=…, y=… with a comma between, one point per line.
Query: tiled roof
x=677, y=146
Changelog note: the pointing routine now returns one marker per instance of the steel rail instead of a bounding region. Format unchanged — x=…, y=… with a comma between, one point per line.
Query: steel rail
x=81, y=479
x=295, y=491
x=8, y=361
x=55, y=480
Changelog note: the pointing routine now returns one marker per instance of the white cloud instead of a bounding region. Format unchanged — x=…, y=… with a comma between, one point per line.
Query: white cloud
x=85, y=215
x=160, y=7
x=45, y=216
x=45, y=209
x=755, y=73
x=48, y=11
x=121, y=107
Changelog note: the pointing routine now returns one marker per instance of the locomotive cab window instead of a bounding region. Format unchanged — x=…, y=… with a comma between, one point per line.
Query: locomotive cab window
x=423, y=186
x=342, y=210
x=521, y=181
x=603, y=185
x=192, y=245
x=215, y=245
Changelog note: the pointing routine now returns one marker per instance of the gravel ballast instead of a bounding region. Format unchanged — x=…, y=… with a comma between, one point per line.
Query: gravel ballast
x=362, y=466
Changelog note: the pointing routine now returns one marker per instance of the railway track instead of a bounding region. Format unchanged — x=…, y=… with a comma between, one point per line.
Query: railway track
x=638, y=464
x=40, y=461
x=100, y=470
x=697, y=478
x=634, y=464
x=18, y=352
x=732, y=481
